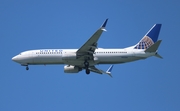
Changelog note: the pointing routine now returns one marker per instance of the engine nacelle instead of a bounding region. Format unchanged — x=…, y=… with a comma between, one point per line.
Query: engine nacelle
x=71, y=69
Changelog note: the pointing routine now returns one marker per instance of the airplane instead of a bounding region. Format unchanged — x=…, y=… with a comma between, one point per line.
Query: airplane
x=89, y=55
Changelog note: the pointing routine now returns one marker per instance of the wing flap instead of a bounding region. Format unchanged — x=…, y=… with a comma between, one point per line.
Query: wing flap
x=94, y=69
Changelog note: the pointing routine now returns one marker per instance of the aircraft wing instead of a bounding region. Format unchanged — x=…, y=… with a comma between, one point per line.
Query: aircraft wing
x=87, y=50
x=99, y=71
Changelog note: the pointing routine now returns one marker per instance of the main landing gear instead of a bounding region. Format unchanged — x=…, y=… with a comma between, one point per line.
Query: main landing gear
x=87, y=71
x=86, y=64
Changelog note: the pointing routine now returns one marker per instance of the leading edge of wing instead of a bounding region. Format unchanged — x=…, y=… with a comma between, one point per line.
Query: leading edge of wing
x=92, y=42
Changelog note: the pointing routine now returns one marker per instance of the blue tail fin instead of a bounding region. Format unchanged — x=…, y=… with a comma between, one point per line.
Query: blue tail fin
x=150, y=38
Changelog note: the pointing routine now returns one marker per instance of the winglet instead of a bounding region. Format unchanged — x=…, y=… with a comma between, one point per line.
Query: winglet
x=109, y=70
x=104, y=25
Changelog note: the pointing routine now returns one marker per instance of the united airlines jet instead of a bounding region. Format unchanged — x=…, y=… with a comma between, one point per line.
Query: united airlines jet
x=89, y=55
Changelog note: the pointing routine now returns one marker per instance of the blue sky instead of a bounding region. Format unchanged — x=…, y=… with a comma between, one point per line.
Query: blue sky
x=146, y=85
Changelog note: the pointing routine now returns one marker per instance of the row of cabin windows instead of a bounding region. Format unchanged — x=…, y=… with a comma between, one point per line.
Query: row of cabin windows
x=110, y=52
x=61, y=52
x=48, y=52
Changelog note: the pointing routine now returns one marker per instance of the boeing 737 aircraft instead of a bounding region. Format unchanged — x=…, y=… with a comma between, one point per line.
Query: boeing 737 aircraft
x=89, y=55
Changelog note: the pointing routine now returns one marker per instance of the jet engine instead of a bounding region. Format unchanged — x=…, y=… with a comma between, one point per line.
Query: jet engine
x=71, y=69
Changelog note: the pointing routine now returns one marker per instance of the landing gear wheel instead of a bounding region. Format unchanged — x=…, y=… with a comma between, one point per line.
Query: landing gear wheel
x=87, y=71
x=27, y=68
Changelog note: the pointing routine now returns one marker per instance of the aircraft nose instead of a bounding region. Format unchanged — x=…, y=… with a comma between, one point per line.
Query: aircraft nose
x=15, y=58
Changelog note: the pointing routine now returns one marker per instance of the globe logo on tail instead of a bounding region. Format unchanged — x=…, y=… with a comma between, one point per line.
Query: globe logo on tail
x=144, y=43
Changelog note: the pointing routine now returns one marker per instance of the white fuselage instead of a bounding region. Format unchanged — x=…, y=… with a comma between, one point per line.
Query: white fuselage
x=89, y=55
x=68, y=56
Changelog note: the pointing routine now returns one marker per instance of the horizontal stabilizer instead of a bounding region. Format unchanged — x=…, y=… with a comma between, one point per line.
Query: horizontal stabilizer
x=157, y=55
x=154, y=47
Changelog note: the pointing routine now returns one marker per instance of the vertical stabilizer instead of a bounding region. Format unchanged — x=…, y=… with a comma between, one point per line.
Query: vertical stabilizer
x=150, y=38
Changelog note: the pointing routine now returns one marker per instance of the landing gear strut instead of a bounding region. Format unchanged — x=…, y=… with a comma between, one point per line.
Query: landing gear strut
x=86, y=64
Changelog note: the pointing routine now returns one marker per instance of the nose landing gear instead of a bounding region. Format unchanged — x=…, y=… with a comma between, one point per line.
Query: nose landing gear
x=27, y=68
